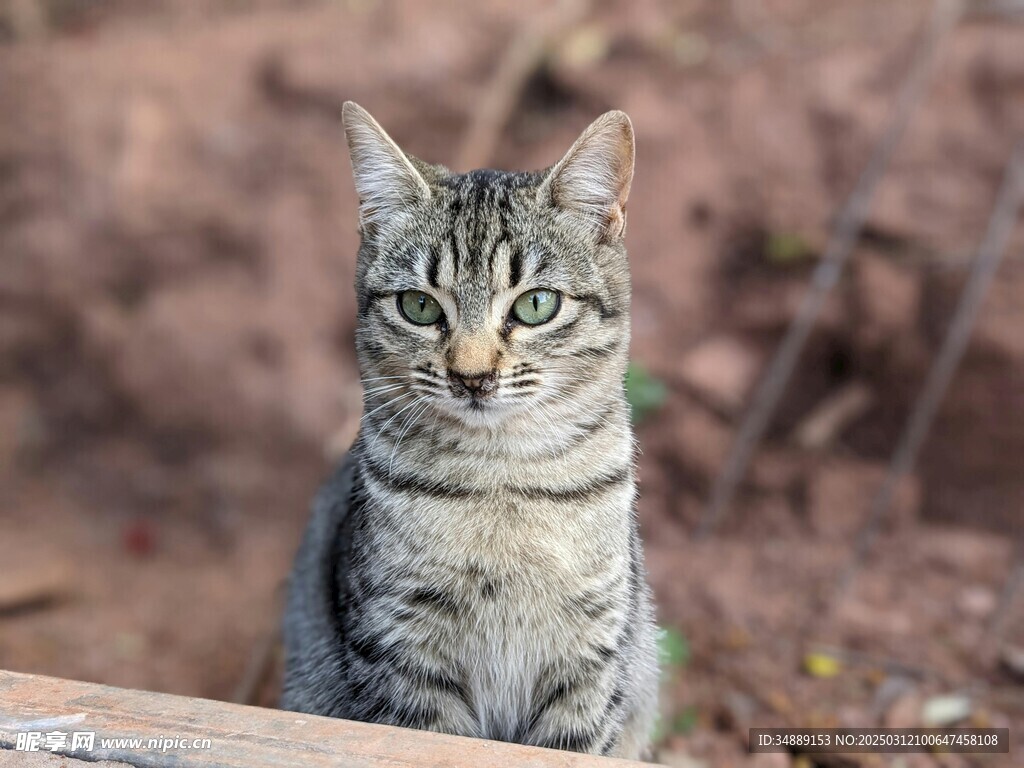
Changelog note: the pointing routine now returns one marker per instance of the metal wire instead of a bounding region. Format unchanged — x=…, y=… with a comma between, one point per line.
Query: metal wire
x=990, y=254
x=944, y=17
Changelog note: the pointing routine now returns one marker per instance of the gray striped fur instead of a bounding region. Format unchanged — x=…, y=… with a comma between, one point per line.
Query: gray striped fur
x=474, y=567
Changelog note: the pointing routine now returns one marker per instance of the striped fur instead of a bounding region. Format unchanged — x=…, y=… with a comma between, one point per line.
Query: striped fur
x=474, y=567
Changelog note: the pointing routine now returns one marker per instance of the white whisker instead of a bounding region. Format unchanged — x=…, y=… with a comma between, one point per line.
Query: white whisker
x=381, y=390
x=384, y=426
x=410, y=420
x=385, y=405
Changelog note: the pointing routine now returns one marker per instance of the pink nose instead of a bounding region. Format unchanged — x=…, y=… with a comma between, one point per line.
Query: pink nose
x=474, y=384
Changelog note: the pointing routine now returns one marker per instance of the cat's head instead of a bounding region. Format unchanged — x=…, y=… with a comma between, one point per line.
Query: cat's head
x=491, y=295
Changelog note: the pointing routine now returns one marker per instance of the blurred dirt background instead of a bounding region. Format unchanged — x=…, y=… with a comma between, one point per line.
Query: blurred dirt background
x=177, y=242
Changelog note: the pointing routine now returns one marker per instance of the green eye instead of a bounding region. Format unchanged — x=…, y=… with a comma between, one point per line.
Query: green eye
x=536, y=306
x=419, y=308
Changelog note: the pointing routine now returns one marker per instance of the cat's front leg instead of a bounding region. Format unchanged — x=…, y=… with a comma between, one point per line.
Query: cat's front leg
x=415, y=694
x=578, y=707
x=398, y=676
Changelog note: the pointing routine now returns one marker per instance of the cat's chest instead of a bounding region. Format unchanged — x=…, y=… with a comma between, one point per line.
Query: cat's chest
x=517, y=538
x=500, y=621
x=503, y=589
x=512, y=636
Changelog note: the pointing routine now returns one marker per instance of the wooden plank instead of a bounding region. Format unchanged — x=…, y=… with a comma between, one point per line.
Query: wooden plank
x=240, y=736
x=10, y=759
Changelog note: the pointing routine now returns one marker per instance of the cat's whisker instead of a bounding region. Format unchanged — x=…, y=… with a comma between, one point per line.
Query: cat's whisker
x=425, y=390
x=368, y=393
x=394, y=416
x=562, y=451
x=409, y=421
x=589, y=404
x=573, y=404
x=385, y=405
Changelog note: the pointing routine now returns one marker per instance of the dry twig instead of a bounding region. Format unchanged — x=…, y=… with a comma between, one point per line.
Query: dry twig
x=1002, y=9
x=1014, y=584
x=891, y=666
x=524, y=55
x=24, y=591
x=27, y=19
x=990, y=254
x=944, y=17
x=829, y=418
x=263, y=657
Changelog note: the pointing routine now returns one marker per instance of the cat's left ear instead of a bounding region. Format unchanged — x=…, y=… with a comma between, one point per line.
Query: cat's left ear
x=593, y=178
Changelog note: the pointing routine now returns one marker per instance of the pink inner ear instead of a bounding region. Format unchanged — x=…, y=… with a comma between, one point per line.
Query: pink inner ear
x=594, y=177
x=616, y=226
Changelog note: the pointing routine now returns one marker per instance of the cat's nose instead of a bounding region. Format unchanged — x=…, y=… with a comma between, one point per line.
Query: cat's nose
x=475, y=384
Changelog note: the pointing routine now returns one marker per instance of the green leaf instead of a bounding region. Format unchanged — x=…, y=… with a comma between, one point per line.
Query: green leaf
x=785, y=248
x=673, y=648
x=685, y=721
x=658, y=729
x=822, y=665
x=644, y=392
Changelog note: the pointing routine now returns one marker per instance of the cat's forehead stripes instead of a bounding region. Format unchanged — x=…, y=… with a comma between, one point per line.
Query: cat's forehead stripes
x=433, y=267
x=505, y=264
x=483, y=235
x=483, y=250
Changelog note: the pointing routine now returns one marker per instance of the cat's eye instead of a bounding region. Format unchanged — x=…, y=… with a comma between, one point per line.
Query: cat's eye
x=536, y=306
x=419, y=308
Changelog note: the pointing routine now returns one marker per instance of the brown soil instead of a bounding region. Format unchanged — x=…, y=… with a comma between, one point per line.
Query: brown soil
x=177, y=231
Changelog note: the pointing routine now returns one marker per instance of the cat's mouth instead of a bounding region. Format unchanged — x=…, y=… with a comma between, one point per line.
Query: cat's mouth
x=478, y=406
x=476, y=402
x=480, y=399
x=489, y=410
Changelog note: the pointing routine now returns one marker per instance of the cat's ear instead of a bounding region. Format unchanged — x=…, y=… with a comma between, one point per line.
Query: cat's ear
x=386, y=181
x=593, y=178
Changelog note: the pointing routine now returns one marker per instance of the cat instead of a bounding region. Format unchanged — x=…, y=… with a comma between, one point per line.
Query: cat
x=474, y=566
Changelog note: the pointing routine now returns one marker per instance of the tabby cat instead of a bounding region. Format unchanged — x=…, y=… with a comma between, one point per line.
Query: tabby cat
x=474, y=566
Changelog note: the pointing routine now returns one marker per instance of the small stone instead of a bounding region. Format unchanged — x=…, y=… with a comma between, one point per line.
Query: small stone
x=702, y=441
x=584, y=47
x=777, y=469
x=675, y=759
x=943, y=711
x=854, y=717
x=978, y=602
x=888, y=298
x=738, y=709
x=1011, y=659
x=20, y=425
x=830, y=417
x=722, y=371
x=771, y=760
x=840, y=494
x=905, y=712
x=35, y=588
x=129, y=645
x=890, y=690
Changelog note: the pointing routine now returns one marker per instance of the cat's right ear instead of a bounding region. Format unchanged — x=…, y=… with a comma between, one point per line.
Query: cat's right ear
x=592, y=181
x=386, y=181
